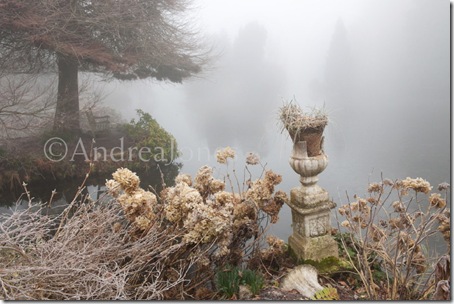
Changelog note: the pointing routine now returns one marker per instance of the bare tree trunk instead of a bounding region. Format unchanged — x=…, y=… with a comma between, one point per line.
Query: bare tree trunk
x=67, y=112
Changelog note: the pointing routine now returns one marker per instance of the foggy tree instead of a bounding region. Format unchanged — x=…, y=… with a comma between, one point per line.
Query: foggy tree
x=340, y=78
x=247, y=87
x=128, y=39
x=339, y=70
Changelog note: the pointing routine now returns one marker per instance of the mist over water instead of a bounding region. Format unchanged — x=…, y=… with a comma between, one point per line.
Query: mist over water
x=379, y=68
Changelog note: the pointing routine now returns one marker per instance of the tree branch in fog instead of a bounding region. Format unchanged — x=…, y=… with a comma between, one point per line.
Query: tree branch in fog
x=26, y=103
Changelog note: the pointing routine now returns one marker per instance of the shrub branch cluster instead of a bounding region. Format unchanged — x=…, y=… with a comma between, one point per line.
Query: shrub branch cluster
x=389, y=231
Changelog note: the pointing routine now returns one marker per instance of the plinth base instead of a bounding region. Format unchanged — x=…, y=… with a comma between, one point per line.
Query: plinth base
x=311, y=238
x=313, y=248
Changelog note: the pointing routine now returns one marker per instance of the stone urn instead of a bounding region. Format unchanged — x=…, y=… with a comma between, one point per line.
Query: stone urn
x=313, y=137
x=310, y=204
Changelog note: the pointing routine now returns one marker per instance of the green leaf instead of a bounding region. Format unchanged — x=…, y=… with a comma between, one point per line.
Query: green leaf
x=326, y=294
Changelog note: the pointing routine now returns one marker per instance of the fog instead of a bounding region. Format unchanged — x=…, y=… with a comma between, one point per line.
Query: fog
x=381, y=70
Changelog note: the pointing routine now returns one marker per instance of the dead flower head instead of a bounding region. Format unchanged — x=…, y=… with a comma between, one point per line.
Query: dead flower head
x=376, y=233
x=346, y=224
x=395, y=223
x=398, y=206
x=183, y=178
x=127, y=179
x=388, y=182
x=375, y=187
x=202, y=179
x=252, y=159
x=216, y=185
x=223, y=154
x=372, y=200
x=419, y=262
x=274, y=205
x=443, y=186
x=418, y=184
x=405, y=239
x=437, y=201
x=275, y=242
x=113, y=187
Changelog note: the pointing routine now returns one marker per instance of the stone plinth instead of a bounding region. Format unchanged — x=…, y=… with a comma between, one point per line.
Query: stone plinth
x=310, y=204
x=311, y=238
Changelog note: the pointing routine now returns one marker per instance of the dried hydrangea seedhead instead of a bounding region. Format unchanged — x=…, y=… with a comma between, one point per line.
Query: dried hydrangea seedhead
x=113, y=187
x=179, y=200
x=443, y=186
x=372, y=200
x=376, y=233
x=142, y=222
x=395, y=223
x=275, y=242
x=206, y=184
x=354, y=206
x=183, y=178
x=276, y=248
x=342, y=210
x=252, y=159
x=365, y=211
x=204, y=219
x=419, y=262
x=262, y=189
x=388, y=182
x=445, y=225
x=362, y=203
x=273, y=206
x=245, y=210
x=223, y=198
x=398, y=206
x=207, y=213
x=375, y=187
x=273, y=178
x=223, y=154
x=437, y=201
x=418, y=184
x=136, y=203
x=128, y=180
x=202, y=180
x=346, y=224
x=216, y=185
x=209, y=221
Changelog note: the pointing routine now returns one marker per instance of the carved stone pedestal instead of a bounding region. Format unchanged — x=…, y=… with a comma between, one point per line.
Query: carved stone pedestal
x=310, y=204
x=311, y=238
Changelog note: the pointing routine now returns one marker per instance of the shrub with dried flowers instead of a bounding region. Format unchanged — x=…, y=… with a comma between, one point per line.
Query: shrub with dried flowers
x=135, y=245
x=395, y=236
x=208, y=213
x=218, y=223
x=94, y=254
x=137, y=203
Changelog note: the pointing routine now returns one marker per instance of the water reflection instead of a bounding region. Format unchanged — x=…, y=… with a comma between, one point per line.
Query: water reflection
x=56, y=196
